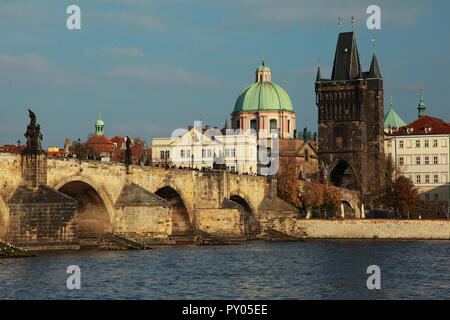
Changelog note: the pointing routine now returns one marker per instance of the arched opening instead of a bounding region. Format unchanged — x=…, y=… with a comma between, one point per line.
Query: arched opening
x=349, y=212
x=93, y=216
x=248, y=219
x=181, y=224
x=342, y=176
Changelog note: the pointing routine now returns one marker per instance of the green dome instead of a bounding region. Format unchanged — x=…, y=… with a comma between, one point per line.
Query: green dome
x=263, y=96
x=263, y=68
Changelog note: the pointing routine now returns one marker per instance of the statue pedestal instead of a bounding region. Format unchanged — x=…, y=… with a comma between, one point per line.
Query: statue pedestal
x=34, y=169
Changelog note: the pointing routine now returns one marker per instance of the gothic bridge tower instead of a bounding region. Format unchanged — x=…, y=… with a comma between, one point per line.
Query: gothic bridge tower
x=350, y=120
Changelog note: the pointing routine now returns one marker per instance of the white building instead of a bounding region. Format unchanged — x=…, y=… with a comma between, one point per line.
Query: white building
x=421, y=150
x=201, y=149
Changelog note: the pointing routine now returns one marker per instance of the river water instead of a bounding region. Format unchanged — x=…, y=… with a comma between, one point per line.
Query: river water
x=290, y=270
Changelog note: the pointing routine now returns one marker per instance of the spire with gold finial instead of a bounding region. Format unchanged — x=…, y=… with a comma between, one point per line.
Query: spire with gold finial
x=421, y=106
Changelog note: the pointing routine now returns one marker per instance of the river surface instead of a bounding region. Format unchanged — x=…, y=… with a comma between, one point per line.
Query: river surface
x=290, y=270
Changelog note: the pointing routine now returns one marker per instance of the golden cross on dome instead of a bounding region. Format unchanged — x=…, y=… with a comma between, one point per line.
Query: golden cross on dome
x=353, y=22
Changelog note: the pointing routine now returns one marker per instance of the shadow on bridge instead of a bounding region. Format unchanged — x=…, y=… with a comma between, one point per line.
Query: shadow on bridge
x=93, y=216
x=181, y=223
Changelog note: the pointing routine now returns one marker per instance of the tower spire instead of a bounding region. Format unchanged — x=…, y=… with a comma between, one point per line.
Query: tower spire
x=346, y=64
x=318, y=76
x=421, y=106
x=374, y=71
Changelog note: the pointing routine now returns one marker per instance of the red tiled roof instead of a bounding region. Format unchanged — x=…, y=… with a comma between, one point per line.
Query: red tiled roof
x=11, y=148
x=100, y=143
x=435, y=125
x=118, y=139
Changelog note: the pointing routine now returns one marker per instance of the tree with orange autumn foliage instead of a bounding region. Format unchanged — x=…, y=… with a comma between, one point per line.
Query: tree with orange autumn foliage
x=397, y=192
x=320, y=200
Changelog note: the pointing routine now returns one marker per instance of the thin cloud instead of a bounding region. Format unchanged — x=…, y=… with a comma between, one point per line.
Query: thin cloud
x=161, y=76
x=307, y=12
x=30, y=69
x=115, y=52
x=141, y=21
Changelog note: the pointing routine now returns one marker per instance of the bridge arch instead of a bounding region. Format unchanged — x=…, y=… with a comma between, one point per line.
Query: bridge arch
x=343, y=175
x=248, y=215
x=95, y=207
x=347, y=209
x=182, y=223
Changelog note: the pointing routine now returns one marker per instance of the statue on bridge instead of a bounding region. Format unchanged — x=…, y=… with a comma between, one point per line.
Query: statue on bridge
x=33, y=135
x=128, y=152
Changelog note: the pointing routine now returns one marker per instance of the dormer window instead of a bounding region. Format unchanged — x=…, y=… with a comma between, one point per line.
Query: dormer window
x=409, y=130
x=427, y=130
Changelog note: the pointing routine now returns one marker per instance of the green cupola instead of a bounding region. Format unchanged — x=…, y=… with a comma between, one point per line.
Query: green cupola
x=263, y=95
x=99, y=127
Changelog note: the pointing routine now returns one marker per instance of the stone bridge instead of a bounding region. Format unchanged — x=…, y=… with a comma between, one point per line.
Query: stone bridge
x=45, y=200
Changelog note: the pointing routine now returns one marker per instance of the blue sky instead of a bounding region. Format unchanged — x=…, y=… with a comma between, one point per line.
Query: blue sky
x=151, y=66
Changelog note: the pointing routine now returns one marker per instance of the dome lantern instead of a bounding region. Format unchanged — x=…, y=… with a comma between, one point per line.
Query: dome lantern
x=263, y=73
x=99, y=127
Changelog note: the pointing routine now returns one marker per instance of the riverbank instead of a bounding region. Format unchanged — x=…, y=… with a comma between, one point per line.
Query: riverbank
x=366, y=229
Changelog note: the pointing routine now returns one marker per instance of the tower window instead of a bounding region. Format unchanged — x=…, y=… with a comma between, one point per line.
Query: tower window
x=339, y=136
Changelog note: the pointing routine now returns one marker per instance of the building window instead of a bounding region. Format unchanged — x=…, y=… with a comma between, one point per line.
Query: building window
x=238, y=124
x=427, y=178
x=436, y=178
x=418, y=178
x=435, y=159
x=289, y=126
x=188, y=153
x=230, y=152
x=401, y=161
x=417, y=160
x=444, y=178
x=182, y=154
x=427, y=143
x=435, y=143
x=417, y=143
x=209, y=153
x=435, y=197
x=273, y=124
x=427, y=160
x=162, y=154
x=444, y=159
x=253, y=124
x=400, y=144
x=203, y=153
x=427, y=196
x=306, y=155
x=444, y=142
x=167, y=154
